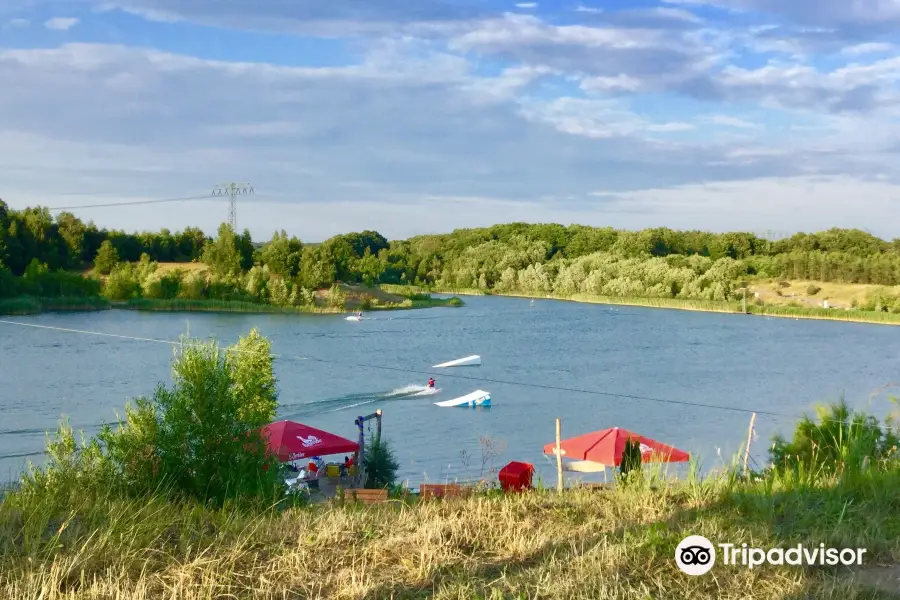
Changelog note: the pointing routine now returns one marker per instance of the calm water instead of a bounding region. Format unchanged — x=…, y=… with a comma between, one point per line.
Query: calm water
x=777, y=365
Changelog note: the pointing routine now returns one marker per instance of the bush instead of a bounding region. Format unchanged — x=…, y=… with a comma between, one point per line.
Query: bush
x=812, y=290
x=784, y=284
x=365, y=303
x=122, y=283
x=454, y=301
x=630, y=467
x=840, y=442
x=196, y=439
x=336, y=297
x=380, y=465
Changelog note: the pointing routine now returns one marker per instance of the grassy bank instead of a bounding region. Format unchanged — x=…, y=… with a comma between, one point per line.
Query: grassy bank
x=779, y=310
x=28, y=305
x=183, y=305
x=582, y=544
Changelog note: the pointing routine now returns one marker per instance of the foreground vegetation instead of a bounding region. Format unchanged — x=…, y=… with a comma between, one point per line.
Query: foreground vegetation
x=180, y=501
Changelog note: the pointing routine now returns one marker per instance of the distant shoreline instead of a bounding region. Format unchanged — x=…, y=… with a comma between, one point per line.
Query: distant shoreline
x=781, y=312
x=32, y=306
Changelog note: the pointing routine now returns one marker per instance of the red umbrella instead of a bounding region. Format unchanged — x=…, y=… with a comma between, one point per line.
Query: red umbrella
x=290, y=441
x=606, y=447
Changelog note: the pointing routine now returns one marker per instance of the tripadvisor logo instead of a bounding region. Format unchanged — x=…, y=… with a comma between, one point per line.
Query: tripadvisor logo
x=696, y=555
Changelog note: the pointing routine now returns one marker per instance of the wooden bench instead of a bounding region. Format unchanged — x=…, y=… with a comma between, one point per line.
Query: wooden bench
x=366, y=496
x=437, y=490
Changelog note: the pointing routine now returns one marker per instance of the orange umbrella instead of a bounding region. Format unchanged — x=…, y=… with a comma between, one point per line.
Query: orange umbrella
x=606, y=447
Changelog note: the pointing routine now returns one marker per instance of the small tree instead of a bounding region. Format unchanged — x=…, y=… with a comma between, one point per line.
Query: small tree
x=107, y=257
x=380, y=465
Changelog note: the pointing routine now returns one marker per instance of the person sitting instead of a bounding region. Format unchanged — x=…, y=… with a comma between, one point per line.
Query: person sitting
x=313, y=469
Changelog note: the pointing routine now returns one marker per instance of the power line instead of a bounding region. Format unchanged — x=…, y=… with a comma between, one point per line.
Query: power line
x=547, y=387
x=136, y=202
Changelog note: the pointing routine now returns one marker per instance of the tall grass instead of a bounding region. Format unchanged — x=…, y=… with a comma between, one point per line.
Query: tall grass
x=582, y=544
x=27, y=305
x=185, y=305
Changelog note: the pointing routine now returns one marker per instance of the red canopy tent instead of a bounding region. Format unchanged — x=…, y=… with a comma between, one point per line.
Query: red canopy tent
x=291, y=440
x=606, y=447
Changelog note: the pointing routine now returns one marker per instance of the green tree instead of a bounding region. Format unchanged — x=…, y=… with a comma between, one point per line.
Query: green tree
x=107, y=258
x=222, y=256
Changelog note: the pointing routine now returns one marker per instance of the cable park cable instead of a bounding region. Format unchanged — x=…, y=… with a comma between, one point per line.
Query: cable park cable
x=356, y=365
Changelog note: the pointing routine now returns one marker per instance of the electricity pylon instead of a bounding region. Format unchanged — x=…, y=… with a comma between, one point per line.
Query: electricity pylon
x=232, y=191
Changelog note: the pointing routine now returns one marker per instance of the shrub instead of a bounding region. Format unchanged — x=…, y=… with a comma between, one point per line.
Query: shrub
x=812, y=290
x=454, y=301
x=379, y=464
x=336, y=297
x=365, y=303
x=196, y=439
x=840, y=442
x=106, y=259
x=784, y=284
x=122, y=283
x=630, y=467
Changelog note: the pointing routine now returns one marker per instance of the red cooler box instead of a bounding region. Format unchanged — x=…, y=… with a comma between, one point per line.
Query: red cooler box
x=516, y=476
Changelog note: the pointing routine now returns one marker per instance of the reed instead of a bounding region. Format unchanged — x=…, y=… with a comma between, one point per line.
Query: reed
x=29, y=305
x=186, y=305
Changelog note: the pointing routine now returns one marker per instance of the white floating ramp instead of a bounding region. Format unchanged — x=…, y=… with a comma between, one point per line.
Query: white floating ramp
x=476, y=398
x=469, y=361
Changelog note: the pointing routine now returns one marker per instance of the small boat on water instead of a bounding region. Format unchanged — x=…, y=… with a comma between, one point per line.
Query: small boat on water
x=468, y=361
x=476, y=398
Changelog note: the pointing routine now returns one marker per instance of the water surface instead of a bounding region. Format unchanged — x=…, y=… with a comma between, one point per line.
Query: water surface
x=783, y=366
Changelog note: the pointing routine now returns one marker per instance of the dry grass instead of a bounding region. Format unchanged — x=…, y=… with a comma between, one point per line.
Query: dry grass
x=840, y=295
x=582, y=544
x=187, y=267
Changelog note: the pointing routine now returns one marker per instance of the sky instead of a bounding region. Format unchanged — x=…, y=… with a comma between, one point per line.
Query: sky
x=421, y=117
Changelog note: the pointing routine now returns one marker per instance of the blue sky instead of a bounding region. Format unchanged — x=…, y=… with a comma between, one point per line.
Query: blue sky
x=416, y=117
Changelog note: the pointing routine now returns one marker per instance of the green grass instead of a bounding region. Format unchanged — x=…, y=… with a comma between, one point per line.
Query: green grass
x=28, y=305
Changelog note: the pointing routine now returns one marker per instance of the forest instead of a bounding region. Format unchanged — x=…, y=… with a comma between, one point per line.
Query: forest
x=43, y=255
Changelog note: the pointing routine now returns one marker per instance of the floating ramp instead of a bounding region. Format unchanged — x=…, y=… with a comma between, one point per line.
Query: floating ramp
x=476, y=398
x=469, y=361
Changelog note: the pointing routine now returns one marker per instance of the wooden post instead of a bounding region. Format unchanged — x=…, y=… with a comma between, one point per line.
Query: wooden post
x=559, y=471
x=378, y=427
x=749, y=439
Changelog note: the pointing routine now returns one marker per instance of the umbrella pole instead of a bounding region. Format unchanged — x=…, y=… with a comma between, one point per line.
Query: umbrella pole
x=559, y=470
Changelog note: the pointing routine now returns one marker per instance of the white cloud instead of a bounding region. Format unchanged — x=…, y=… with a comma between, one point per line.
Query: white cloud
x=392, y=127
x=526, y=5
x=868, y=48
x=413, y=129
x=761, y=204
x=61, y=23
x=18, y=22
x=732, y=122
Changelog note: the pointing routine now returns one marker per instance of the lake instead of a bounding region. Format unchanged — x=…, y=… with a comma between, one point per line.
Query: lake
x=775, y=365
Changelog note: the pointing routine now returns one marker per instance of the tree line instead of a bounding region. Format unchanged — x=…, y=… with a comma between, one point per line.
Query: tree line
x=511, y=258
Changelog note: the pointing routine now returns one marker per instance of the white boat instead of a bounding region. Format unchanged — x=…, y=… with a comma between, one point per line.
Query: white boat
x=469, y=361
x=476, y=398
